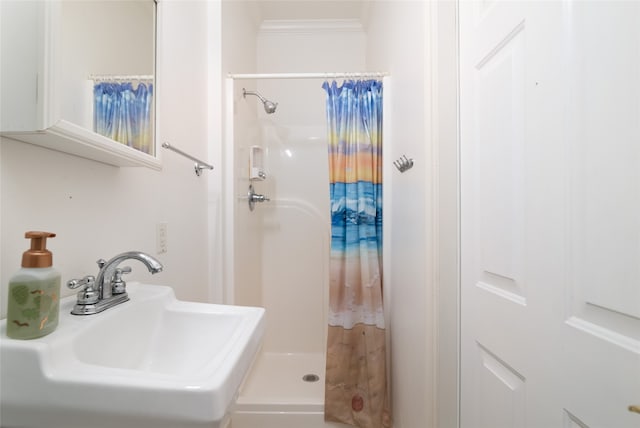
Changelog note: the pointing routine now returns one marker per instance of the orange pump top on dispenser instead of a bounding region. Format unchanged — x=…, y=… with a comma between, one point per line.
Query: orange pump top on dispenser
x=33, y=303
x=38, y=256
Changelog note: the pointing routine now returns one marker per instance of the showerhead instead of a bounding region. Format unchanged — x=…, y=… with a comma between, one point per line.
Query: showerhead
x=269, y=106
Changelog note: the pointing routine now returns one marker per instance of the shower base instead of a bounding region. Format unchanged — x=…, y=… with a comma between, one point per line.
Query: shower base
x=275, y=395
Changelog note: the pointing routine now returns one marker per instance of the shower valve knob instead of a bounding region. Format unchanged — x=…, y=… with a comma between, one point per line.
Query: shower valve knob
x=254, y=197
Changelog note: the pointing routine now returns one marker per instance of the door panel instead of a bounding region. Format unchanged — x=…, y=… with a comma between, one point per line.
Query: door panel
x=605, y=159
x=602, y=331
x=550, y=214
x=500, y=393
x=493, y=207
x=499, y=76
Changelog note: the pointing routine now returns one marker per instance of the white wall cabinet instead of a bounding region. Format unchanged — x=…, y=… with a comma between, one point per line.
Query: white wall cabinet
x=49, y=49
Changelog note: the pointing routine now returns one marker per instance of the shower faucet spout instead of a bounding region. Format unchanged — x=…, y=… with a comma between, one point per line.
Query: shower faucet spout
x=269, y=106
x=245, y=93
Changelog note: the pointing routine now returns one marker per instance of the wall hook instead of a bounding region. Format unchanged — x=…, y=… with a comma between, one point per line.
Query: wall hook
x=403, y=164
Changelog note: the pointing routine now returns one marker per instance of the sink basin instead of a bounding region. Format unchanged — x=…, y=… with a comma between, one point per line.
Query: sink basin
x=153, y=361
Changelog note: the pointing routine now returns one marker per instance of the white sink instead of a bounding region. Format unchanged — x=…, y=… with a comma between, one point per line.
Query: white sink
x=153, y=362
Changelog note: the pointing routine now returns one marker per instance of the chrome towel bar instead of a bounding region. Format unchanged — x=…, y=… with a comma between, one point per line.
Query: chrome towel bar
x=200, y=165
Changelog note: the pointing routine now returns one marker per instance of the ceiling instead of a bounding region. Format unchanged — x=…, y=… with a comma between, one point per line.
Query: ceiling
x=311, y=9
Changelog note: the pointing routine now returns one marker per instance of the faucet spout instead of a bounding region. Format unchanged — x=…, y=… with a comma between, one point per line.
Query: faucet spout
x=108, y=270
x=108, y=289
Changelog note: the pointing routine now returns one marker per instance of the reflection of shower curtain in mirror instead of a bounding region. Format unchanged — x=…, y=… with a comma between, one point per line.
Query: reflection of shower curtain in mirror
x=123, y=113
x=356, y=384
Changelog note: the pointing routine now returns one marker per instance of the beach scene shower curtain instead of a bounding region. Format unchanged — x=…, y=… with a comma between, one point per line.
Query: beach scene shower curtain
x=122, y=112
x=356, y=381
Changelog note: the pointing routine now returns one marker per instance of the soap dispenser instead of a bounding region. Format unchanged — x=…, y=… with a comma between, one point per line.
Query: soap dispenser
x=34, y=292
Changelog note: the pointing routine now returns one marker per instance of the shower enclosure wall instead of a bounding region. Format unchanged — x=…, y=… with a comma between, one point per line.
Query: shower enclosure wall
x=281, y=248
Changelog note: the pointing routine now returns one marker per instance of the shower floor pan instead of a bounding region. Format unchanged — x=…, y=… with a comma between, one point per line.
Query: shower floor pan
x=276, y=394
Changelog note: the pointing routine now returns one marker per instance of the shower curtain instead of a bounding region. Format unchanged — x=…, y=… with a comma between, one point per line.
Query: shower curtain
x=123, y=113
x=356, y=384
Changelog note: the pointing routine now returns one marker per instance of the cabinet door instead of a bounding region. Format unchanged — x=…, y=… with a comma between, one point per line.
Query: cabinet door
x=25, y=39
x=50, y=50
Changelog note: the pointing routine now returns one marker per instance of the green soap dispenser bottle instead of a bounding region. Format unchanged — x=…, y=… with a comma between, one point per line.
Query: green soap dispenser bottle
x=34, y=292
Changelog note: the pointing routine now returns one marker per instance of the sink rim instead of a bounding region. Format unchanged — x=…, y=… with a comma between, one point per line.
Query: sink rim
x=169, y=305
x=204, y=395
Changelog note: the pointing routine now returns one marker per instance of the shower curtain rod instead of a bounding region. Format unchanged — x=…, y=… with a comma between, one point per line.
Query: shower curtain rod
x=341, y=75
x=120, y=77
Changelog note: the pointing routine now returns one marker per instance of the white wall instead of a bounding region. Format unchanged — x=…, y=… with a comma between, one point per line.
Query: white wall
x=248, y=230
x=99, y=210
x=396, y=43
x=445, y=139
x=239, y=28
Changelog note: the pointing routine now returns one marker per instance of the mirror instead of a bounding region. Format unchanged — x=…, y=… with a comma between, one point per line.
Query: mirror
x=106, y=69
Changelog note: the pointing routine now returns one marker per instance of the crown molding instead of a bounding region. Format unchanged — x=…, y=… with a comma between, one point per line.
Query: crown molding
x=310, y=26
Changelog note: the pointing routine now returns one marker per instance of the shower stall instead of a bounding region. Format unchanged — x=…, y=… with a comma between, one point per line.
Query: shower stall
x=277, y=255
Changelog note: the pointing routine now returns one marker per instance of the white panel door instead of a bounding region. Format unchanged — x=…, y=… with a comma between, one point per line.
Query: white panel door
x=550, y=214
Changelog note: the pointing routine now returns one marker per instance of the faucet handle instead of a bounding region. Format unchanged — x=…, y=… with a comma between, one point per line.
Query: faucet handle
x=119, y=286
x=86, y=282
x=88, y=294
x=101, y=263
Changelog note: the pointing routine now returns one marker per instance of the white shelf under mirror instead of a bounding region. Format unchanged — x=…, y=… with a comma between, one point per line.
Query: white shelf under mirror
x=49, y=51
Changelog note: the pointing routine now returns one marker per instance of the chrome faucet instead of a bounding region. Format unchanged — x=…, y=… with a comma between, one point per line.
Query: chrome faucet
x=108, y=289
